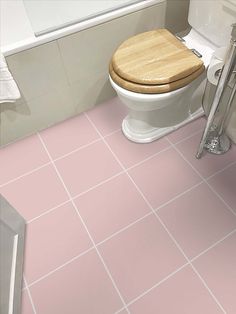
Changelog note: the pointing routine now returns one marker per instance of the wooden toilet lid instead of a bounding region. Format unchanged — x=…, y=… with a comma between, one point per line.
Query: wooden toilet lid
x=155, y=58
x=154, y=89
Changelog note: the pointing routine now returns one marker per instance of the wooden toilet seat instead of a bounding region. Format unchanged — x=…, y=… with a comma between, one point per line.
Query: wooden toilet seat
x=154, y=62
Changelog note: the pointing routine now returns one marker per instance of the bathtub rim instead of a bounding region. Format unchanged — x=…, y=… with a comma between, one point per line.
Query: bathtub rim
x=34, y=41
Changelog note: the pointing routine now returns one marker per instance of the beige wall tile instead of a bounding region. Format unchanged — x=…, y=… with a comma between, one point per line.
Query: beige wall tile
x=90, y=91
x=20, y=120
x=177, y=15
x=38, y=70
x=88, y=53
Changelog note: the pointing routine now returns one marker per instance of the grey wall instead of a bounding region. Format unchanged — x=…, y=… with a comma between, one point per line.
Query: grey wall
x=177, y=15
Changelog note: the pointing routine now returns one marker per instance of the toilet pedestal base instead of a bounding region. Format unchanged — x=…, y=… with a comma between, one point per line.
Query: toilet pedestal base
x=141, y=132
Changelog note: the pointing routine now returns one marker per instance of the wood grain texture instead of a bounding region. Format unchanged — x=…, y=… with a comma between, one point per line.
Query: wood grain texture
x=153, y=58
x=154, y=89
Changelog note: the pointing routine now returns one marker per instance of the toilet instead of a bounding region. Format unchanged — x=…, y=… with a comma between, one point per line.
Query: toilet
x=155, y=73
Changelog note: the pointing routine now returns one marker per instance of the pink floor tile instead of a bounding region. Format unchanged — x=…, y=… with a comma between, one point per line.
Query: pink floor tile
x=224, y=184
x=209, y=163
x=164, y=177
x=130, y=153
x=21, y=157
x=26, y=307
x=52, y=240
x=111, y=206
x=187, y=130
x=141, y=256
x=108, y=117
x=182, y=293
x=217, y=267
x=87, y=167
x=197, y=220
x=80, y=287
x=35, y=193
x=68, y=136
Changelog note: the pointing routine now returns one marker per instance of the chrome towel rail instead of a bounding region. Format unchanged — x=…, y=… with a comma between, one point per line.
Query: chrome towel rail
x=214, y=138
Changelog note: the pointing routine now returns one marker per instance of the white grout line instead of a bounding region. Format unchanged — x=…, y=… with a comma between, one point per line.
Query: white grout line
x=158, y=284
x=58, y=158
x=107, y=238
x=146, y=159
x=221, y=198
x=204, y=179
x=179, y=195
x=152, y=210
x=103, y=182
x=48, y=211
x=221, y=170
x=193, y=267
x=125, y=228
x=138, y=189
x=213, y=245
x=121, y=310
x=123, y=171
x=146, y=291
x=182, y=251
x=99, y=184
x=131, y=224
x=186, y=138
x=61, y=266
x=84, y=146
x=208, y=289
x=74, y=197
x=157, y=216
x=178, y=270
x=77, y=149
x=30, y=296
x=25, y=174
x=85, y=226
x=147, y=215
x=65, y=72
x=109, y=179
x=113, y=132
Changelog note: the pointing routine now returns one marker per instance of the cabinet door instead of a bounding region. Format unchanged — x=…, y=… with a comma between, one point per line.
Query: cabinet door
x=12, y=227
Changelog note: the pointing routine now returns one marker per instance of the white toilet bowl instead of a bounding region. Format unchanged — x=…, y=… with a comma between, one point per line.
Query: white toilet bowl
x=152, y=116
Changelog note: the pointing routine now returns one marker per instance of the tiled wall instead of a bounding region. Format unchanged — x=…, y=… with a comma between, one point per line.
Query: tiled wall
x=64, y=77
x=70, y=75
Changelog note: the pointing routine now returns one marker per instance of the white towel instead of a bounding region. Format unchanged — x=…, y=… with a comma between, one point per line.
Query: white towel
x=9, y=91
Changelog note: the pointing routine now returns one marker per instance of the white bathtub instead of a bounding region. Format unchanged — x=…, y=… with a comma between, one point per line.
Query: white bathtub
x=17, y=33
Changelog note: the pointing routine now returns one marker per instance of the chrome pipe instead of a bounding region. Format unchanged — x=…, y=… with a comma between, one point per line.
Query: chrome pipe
x=227, y=70
x=227, y=110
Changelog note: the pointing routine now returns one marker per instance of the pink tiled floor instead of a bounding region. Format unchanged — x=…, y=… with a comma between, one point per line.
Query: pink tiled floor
x=26, y=304
x=119, y=227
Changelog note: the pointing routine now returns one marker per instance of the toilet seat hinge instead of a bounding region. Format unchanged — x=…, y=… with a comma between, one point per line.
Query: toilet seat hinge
x=198, y=54
x=180, y=38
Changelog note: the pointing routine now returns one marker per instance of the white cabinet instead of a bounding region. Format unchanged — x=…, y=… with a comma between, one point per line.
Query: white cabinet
x=12, y=228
